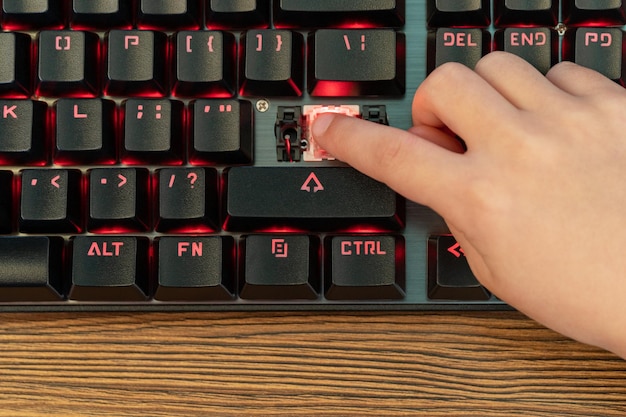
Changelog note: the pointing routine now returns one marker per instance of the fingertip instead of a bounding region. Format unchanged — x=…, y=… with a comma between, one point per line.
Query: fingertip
x=321, y=124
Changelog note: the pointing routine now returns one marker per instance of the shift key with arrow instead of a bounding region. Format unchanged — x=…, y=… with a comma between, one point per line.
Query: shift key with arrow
x=302, y=198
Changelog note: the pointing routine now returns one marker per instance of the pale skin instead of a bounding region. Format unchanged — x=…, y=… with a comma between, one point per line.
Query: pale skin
x=538, y=199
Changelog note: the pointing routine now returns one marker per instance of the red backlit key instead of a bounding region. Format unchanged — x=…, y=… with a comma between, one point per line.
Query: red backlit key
x=152, y=131
x=188, y=200
x=101, y=14
x=118, y=200
x=356, y=62
x=449, y=275
x=84, y=131
x=450, y=13
x=334, y=13
x=195, y=268
x=109, y=268
x=169, y=14
x=15, y=71
x=51, y=201
x=68, y=63
x=599, y=49
x=31, y=268
x=205, y=64
x=279, y=267
x=23, y=132
x=308, y=198
x=222, y=132
x=6, y=202
x=271, y=63
x=466, y=46
x=594, y=12
x=24, y=14
x=237, y=14
x=136, y=63
x=539, y=46
x=364, y=267
x=524, y=12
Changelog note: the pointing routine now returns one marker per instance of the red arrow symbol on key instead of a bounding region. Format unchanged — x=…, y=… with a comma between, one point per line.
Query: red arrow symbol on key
x=318, y=185
x=54, y=181
x=453, y=250
x=122, y=180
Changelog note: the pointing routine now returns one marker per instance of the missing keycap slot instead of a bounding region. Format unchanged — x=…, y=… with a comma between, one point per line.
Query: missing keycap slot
x=288, y=131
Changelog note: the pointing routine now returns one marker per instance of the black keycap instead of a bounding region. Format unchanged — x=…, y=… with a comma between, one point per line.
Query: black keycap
x=279, y=267
x=15, y=66
x=599, y=49
x=594, y=12
x=169, y=14
x=6, y=202
x=307, y=199
x=195, y=268
x=109, y=268
x=205, y=64
x=449, y=275
x=449, y=13
x=153, y=131
x=23, y=132
x=539, y=46
x=462, y=45
x=31, y=268
x=51, y=201
x=118, y=200
x=355, y=62
x=23, y=14
x=87, y=14
x=68, y=63
x=526, y=12
x=84, y=131
x=188, y=200
x=271, y=63
x=136, y=63
x=364, y=268
x=333, y=13
x=222, y=132
x=237, y=14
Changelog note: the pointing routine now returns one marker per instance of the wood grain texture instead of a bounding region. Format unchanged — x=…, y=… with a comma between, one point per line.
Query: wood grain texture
x=279, y=364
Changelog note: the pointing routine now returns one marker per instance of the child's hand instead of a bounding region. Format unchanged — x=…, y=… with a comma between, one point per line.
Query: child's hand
x=538, y=200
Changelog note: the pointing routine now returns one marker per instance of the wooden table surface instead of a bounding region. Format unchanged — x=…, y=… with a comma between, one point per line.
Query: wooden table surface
x=264, y=364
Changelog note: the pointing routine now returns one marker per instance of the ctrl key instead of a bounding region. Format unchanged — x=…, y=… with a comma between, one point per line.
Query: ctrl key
x=30, y=268
x=449, y=274
x=109, y=268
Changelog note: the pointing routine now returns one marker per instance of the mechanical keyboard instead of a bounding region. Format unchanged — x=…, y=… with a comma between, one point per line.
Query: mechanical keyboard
x=156, y=154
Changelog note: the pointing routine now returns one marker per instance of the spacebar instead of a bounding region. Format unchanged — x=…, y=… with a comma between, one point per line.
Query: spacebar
x=304, y=198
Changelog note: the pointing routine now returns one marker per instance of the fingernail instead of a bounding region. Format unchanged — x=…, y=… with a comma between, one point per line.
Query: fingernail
x=320, y=125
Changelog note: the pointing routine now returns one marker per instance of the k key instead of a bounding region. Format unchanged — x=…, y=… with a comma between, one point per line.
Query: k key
x=22, y=129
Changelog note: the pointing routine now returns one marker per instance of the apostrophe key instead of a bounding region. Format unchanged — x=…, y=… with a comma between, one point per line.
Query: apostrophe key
x=15, y=73
x=51, y=201
x=205, y=64
x=31, y=268
x=101, y=14
x=599, y=49
x=526, y=13
x=354, y=62
x=84, y=131
x=195, y=268
x=449, y=275
x=68, y=63
x=136, y=63
x=118, y=200
x=538, y=46
x=222, y=132
x=169, y=14
x=271, y=63
x=450, y=13
x=261, y=198
x=364, y=267
x=188, y=200
x=279, y=267
x=22, y=14
x=328, y=13
x=234, y=14
x=464, y=45
x=109, y=268
x=23, y=132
